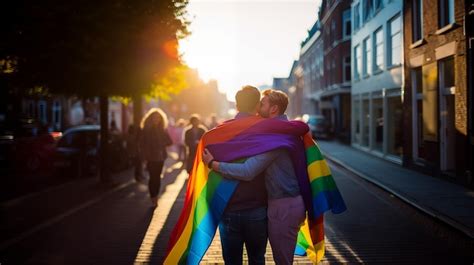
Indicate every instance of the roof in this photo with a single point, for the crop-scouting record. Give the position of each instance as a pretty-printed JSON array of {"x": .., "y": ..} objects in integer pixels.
[{"x": 316, "y": 26}]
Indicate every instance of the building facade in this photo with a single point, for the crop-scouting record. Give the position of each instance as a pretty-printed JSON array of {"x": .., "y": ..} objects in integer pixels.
[
  {"x": 312, "y": 63},
  {"x": 377, "y": 78},
  {"x": 295, "y": 91},
  {"x": 335, "y": 16},
  {"x": 436, "y": 94}
]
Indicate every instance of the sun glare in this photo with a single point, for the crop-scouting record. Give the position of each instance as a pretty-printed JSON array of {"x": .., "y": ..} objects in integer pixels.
[{"x": 245, "y": 42}]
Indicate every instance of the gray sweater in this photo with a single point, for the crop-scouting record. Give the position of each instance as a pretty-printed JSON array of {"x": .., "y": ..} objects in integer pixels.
[{"x": 280, "y": 177}]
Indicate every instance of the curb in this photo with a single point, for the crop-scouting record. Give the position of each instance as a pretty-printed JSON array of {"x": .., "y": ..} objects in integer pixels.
[{"x": 426, "y": 209}]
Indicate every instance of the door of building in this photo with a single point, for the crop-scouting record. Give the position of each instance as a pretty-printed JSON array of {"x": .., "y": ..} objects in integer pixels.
[{"x": 447, "y": 116}]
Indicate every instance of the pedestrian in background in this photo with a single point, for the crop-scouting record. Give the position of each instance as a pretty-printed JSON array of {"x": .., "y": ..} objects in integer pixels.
[
  {"x": 154, "y": 139},
  {"x": 213, "y": 123},
  {"x": 180, "y": 124},
  {"x": 192, "y": 135},
  {"x": 133, "y": 151}
]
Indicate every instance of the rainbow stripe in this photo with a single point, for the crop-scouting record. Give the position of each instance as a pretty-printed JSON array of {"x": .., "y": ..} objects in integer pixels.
[
  {"x": 208, "y": 193},
  {"x": 325, "y": 196}
]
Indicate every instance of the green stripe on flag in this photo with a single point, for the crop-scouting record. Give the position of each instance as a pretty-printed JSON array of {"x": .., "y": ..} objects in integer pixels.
[
  {"x": 301, "y": 240},
  {"x": 325, "y": 183},
  {"x": 204, "y": 200},
  {"x": 313, "y": 154}
]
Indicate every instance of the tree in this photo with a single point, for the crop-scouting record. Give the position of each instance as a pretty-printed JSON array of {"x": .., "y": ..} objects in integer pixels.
[{"x": 92, "y": 48}]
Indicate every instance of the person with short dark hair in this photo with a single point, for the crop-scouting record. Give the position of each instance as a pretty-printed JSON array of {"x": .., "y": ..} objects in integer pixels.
[
  {"x": 192, "y": 135},
  {"x": 244, "y": 221}
]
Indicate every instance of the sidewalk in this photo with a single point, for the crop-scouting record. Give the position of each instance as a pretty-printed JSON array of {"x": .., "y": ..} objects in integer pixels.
[{"x": 448, "y": 202}]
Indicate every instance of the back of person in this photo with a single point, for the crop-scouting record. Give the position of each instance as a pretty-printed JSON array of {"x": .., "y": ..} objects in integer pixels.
[
  {"x": 280, "y": 177},
  {"x": 154, "y": 142}
]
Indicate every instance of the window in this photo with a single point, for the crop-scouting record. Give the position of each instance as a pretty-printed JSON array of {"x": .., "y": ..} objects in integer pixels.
[
  {"x": 346, "y": 23},
  {"x": 367, "y": 55},
  {"x": 378, "y": 50},
  {"x": 417, "y": 20},
  {"x": 368, "y": 9},
  {"x": 333, "y": 72},
  {"x": 321, "y": 63},
  {"x": 42, "y": 112},
  {"x": 357, "y": 62},
  {"x": 446, "y": 12},
  {"x": 356, "y": 12},
  {"x": 333, "y": 31},
  {"x": 356, "y": 136},
  {"x": 447, "y": 74},
  {"x": 56, "y": 117},
  {"x": 377, "y": 4},
  {"x": 417, "y": 87},
  {"x": 395, "y": 41},
  {"x": 395, "y": 125},
  {"x": 365, "y": 122},
  {"x": 347, "y": 68},
  {"x": 377, "y": 123},
  {"x": 31, "y": 108}
]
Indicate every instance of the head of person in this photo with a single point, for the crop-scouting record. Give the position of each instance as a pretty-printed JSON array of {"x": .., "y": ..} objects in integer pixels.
[
  {"x": 181, "y": 123},
  {"x": 154, "y": 117},
  {"x": 247, "y": 100},
  {"x": 273, "y": 103},
  {"x": 195, "y": 120},
  {"x": 214, "y": 118}
]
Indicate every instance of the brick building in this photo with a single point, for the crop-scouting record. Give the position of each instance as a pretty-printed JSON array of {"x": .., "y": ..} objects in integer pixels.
[
  {"x": 435, "y": 97},
  {"x": 335, "y": 16}
]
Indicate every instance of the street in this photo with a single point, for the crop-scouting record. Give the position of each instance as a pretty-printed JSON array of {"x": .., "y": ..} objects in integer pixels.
[{"x": 81, "y": 222}]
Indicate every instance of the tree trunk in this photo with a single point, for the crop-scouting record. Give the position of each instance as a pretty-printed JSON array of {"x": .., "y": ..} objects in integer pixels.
[
  {"x": 137, "y": 109},
  {"x": 104, "y": 139}
]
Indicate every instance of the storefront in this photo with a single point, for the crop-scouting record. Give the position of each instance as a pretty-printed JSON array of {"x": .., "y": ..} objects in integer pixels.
[{"x": 377, "y": 123}]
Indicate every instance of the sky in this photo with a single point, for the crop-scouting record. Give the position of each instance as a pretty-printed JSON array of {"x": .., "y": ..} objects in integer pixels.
[{"x": 240, "y": 42}]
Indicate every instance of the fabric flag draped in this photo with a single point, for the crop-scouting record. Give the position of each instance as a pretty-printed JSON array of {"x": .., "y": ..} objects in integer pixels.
[{"x": 208, "y": 192}]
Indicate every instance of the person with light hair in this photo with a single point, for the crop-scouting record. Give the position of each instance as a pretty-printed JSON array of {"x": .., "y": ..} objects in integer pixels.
[{"x": 154, "y": 139}]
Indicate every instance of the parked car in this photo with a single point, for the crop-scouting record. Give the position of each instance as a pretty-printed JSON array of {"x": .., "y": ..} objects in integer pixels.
[
  {"x": 319, "y": 126},
  {"x": 25, "y": 147},
  {"x": 78, "y": 150}
]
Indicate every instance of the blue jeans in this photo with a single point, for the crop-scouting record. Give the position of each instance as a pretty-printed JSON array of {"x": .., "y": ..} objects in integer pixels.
[{"x": 247, "y": 227}]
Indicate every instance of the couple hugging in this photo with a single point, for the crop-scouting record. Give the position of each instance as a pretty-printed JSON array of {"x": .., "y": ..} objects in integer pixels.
[{"x": 256, "y": 177}]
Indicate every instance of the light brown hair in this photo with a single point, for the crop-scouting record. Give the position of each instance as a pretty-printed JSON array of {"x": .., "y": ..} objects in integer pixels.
[{"x": 278, "y": 98}]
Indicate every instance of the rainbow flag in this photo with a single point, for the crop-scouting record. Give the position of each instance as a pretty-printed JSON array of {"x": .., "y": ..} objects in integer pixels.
[{"x": 207, "y": 192}]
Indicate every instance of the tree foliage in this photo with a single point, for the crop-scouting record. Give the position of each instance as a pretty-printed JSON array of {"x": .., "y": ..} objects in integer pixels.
[{"x": 89, "y": 48}]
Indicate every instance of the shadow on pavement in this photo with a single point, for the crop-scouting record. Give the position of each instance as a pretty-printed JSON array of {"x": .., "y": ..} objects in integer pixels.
[{"x": 161, "y": 242}]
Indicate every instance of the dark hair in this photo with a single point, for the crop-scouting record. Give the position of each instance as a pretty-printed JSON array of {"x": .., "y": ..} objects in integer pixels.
[
  {"x": 247, "y": 98},
  {"x": 194, "y": 117}
]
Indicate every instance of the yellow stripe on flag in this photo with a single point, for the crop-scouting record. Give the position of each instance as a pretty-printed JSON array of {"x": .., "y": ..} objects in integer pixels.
[{"x": 318, "y": 169}]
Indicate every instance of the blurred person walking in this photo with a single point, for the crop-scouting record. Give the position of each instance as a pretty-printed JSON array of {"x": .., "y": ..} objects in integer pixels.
[
  {"x": 213, "y": 122},
  {"x": 192, "y": 135},
  {"x": 153, "y": 142},
  {"x": 176, "y": 132},
  {"x": 179, "y": 130}
]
